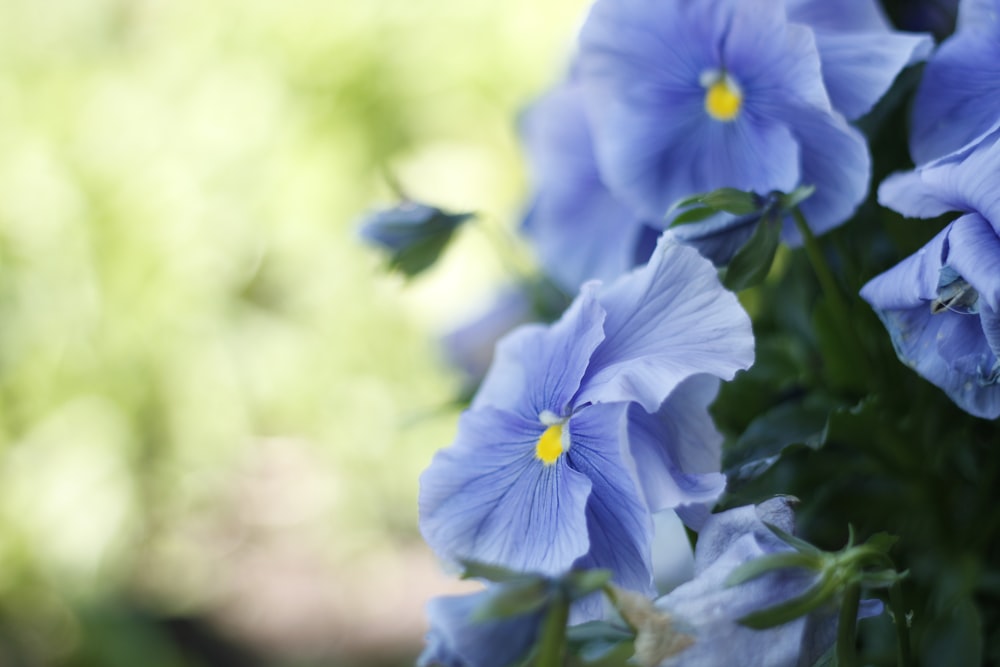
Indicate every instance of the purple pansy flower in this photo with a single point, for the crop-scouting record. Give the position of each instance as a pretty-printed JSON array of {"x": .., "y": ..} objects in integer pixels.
[
  {"x": 941, "y": 304},
  {"x": 688, "y": 97},
  {"x": 958, "y": 101},
  {"x": 538, "y": 478}
]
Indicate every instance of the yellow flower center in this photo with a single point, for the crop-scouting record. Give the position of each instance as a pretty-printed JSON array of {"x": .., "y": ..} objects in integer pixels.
[
  {"x": 550, "y": 445},
  {"x": 723, "y": 99}
]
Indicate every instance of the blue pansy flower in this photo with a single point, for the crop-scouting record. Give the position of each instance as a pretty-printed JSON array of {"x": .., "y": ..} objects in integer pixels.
[
  {"x": 579, "y": 230},
  {"x": 707, "y": 611},
  {"x": 538, "y": 478},
  {"x": 958, "y": 101},
  {"x": 941, "y": 304},
  {"x": 688, "y": 97}
]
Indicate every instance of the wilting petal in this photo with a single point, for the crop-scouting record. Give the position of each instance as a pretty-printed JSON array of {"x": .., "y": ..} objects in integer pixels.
[
  {"x": 666, "y": 321},
  {"x": 538, "y": 368},
  {"x": 973, "y": 249},
  {"x": 488, "y": 498},
  {"x": 858, "y": 68},
  {"x": 456, "y": 640},
  {"x": 677, "y": 451},
  {"x": 618, "y": 522},
  {"x": 958, "y": 99}
]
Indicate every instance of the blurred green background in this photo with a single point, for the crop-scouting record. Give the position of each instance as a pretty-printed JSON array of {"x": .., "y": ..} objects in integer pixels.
[{"x": 214, "y": 405}]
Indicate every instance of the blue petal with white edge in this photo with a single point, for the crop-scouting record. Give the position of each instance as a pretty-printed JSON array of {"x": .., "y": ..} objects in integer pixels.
[
  {"x": 489, "y": 498},
  {"x": 666, "y": 321}
]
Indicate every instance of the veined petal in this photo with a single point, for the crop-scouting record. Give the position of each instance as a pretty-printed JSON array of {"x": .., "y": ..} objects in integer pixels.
[
  {"x": 618, "y": 522},
  {"x": 538, "y": 368},
  {"x": 957, "y": 101},
  {"x": 666, "y": 321},
  {"x": 973, "y": 249},
  {"x": 979, "y": 15},
  {"x": 990, "y": 320},
  {"x": 910, "y": 284},
  {"x": 642, "y": 64},
  {"x": 858, "y": 68},
  {"x": 835, "y": 159},
  {"x": 488, "y": 498},
  {"x": 677, "y": 451}
]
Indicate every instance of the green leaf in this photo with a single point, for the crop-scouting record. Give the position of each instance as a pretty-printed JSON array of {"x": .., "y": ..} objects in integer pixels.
[
  {"x": 771, "y": 562},
  {"x": 828, "y": 659},
  {"x": 514, "y": 599},
  {"x": 797, "y": 542},
  {"x": 795, "y": 197},
  {"x": 731, "y": 200},
  {"x": 584, "y": 582},
  {"x": 494, "y": 573},
  {"x": 789, "y": 610},
  {"x": 751, "y": 263},
  {"x": 691, "y": 215}
]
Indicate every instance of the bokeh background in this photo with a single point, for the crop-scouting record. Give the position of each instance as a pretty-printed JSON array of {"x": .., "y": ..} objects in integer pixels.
[{"x": 214, "y": 404}]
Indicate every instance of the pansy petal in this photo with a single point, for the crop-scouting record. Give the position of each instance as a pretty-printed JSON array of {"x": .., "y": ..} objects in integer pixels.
[
  {"x": 990, "y": 320},
  {"x": 724, "y": 529},
  {"x": 455, "y": 639},
  {"x": 843, "y": 15},
  {"x": 911, "y": 283},
  {"x": 907, "y": 193},
  {"x": 666, "y": 321},
  {"x": 677, "y": 451},
  {"x": 835, "y": 160},
  {"x": 579, "y": 230},
  {"x": 973, "y": 249},
  {"x": 618, "y": 522},
  {"x": 488, "y": 498},
  {"x": 538, "y": 368},
  {"x": 979, "y": 15},
  {"x": 858, "y": 68},
  {"x": 958, "y": 98}
]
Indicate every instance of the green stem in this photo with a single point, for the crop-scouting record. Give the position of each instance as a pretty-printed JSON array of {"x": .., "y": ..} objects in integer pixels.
[
  {"x": 847, "y": 655},
  {"x": 832, "y": 291},
  {"x": 553, "y": 642},
  {"x": 904, "y": 658}
]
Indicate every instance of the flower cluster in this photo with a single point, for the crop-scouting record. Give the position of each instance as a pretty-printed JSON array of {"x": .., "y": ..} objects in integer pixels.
[{"x": 688, "y": 136}]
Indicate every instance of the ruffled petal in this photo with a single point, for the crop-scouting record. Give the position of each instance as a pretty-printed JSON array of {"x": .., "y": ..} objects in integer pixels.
[
  {"x": 677, "y": 451},
  {"x": 957, "y": 101},
  {"x": 488, "y": 498},
  {"x": 666, "y": 321},
  {"x": 618, "y": 522},
  {"x": 973, "y": 249},
  {"x": 836, "y": 161},
  {"x": 858, "y": 68},
  {"x": 538, "y": 368},
  {"x": 911, "y": 283}
]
